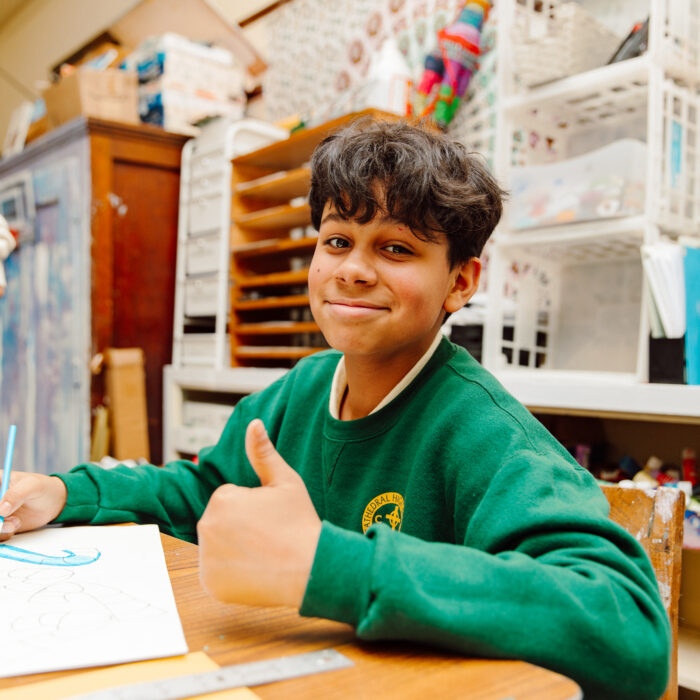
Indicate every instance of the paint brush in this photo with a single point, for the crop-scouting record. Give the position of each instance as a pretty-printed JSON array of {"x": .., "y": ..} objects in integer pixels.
[{"x": 7, "y": 468}]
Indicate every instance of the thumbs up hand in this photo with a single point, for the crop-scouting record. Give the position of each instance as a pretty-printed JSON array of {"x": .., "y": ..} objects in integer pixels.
[{"x": 257, "y": 545}]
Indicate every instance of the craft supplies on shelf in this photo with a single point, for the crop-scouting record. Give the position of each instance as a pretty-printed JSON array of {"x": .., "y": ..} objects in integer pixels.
[
  {"x": 605, "y": 183},
  {"x": 182, "y": 82}
]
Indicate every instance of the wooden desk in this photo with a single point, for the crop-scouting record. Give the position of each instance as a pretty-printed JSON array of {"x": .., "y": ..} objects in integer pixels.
[{"x": 236, "y": 634}]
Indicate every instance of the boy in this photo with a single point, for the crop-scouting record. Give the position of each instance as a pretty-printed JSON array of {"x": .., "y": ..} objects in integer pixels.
[{"x": 422, "y": 501}]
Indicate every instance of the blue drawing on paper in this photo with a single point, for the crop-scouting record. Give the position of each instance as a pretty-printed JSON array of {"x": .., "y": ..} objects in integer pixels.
[{"x": 7, "y": 551}]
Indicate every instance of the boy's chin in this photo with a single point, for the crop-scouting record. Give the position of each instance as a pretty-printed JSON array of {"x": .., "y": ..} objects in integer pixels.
[
  {"x": 357, "y": 348},
  {"x": 348, "y": 346}
]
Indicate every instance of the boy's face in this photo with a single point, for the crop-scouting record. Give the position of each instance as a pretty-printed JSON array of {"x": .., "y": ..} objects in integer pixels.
[{"x": 378, "y": 291}]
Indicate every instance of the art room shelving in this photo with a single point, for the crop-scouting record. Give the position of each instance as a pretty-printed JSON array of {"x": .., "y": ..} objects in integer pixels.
[
  {"x": 200, "y": 333},
  {"x": 567, "y": 308}
]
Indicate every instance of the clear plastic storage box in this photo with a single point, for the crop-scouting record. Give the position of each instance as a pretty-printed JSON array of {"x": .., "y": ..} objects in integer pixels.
[{"x": 604, "y": 183}]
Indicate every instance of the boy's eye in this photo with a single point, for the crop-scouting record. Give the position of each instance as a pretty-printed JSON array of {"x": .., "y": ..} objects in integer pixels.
[
  {"x": 337, "y": 242},
  {"x": 397, "y": 249}
]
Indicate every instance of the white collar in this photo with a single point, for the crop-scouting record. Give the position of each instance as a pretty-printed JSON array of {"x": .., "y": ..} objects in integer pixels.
[{"x": 340, "y": 381}]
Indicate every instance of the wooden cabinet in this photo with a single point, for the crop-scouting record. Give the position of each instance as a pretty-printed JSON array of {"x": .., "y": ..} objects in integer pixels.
[
  {"x": 98, "y": 272},
  {"x": 272, "y": 242},
  {"x": 135, "y": 174}
]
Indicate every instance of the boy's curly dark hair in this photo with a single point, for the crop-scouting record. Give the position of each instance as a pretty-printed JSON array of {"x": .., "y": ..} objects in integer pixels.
[{"x": 417, "y": 176}]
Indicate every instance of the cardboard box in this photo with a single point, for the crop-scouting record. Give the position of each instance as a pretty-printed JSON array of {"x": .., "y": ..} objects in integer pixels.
[
  {"x": 106, "y": 94},
  {"x": 196, "y": 19},
  {"x": 126, "y": 394}
]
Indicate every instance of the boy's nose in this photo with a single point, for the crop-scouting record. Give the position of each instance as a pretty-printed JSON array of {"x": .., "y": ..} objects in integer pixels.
[{"x": 356, "y": 269}]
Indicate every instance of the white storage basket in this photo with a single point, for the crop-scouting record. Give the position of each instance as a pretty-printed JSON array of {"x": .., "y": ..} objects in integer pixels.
[
  {"x": 575, "y": 317},
  {"x": 200, "y": 295},
  {"x": 202, "y": 254},
  {"x": 561, "y": 40},
  {"x": 676, "y": 194},
  {"x": 206, "y": 414},
  {"x": 190, "y": 440},
  {"x": 199, "y": 349}
]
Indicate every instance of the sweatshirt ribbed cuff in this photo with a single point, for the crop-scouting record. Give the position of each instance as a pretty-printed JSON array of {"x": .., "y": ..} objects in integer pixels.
[
  {"x": 338, "y": 587},
  {"x": 82, "y": 502}
]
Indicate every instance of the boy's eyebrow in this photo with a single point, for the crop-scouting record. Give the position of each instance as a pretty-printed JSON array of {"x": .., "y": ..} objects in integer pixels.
[
  {"x": 380, "y": 218},
  {"x": 332, "y": 216}
]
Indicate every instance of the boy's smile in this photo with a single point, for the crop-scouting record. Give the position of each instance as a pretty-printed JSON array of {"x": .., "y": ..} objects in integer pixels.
[
  {"x": 380, "y": 293},
  {"x": 353, "y": 308}
]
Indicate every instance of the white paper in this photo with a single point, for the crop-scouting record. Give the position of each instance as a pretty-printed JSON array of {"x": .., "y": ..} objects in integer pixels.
[
  {"x": 74, "y": 597},
  {"x": 663, "y": 264}
]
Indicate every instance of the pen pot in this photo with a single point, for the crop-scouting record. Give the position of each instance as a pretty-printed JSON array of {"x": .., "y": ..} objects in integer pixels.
[{"x": 667, "y": 360}]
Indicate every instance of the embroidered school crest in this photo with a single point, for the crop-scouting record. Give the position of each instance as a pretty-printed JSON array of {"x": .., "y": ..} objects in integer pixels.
[{"x": 386, "y": 508}]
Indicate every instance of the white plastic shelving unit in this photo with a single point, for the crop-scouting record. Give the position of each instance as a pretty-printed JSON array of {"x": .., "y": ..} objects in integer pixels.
[
  {"x": 567, "y": 323},
  {"x": 200, "y": 388},
  {"x": 211, "y": 393},
  {"x": 203, "y": 247}
]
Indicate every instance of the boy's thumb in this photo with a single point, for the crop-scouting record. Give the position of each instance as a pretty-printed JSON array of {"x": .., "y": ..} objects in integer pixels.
[{"x": 266, "y": 461}]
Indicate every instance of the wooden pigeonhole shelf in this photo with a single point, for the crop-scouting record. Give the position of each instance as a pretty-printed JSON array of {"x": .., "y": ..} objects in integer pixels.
[{"x": 271, "y": 246}]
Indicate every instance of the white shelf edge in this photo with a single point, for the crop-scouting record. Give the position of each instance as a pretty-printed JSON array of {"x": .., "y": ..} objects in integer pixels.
[
  {"x": 576, "y": 231},
  {"x": 236, "y": 380},
  {"x": 590, "y": 81},
  {"x": 606, "y": 392},
  {"x": 689, "y": 658}
]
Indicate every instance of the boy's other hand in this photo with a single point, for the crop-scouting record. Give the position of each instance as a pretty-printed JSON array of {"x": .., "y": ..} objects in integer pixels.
[
  {"x": 31, "y": 501},
  {"x": 257, "y": 545}
]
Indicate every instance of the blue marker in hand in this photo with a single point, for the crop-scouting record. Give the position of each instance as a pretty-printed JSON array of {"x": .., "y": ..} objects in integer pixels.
[{"x": 7, "y": 468}]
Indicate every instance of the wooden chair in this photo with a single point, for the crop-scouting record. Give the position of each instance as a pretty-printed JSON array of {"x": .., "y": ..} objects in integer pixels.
[{"x": 656, "y": 521}]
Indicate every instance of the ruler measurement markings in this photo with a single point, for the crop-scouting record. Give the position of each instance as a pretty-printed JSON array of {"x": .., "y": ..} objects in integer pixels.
[{"x": 226, "y": 677}]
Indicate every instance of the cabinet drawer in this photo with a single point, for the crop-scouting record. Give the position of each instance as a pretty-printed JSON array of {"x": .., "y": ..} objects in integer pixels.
[
  {"x": 199, "y": 349},
  {"x": 202, "y": 254},
  {"x": 206, "y": 213},
  {"x": 200, "y": 296},
  {"x": 209, "y": 183},
  {"x": 203, "y": 414},
  {"x": 190, "y": 440},
  {"x": 207, "y": 162}
]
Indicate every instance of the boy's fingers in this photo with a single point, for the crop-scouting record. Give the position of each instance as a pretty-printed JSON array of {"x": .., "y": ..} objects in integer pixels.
[
  {"x": 6, "y": 506},
  {"x": 9, "y": 526},
  {"x": 16, "y": 495},
  {"x": 221, "y": 497},
  {"x": 267, "y": 462}
]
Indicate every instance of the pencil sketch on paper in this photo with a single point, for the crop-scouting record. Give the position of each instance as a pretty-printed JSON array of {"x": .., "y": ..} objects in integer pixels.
[
  {"x": 7, "y": 551},
  {"x": 56, "y": 607},
  {"x": 75, "y": 597}
]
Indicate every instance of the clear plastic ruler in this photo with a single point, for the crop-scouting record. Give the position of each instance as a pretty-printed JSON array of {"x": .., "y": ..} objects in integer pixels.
[{"x": 236, "y": 676}]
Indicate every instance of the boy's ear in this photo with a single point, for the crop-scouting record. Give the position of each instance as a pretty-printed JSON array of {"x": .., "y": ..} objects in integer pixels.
[{"x": 465, "y": 284}]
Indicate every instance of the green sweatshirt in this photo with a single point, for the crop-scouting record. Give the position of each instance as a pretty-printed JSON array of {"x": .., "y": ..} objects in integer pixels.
[{"x": 481, "y": 534}]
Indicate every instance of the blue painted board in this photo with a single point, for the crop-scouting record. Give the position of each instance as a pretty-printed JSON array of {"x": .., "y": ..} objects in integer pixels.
[{"x": 44, "y": 325}]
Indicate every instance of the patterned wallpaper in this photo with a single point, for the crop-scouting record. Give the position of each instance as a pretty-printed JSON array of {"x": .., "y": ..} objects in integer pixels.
[{"x": 319, "y": 54}]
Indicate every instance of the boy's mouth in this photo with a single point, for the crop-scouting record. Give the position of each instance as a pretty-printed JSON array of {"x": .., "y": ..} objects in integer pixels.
[
  {"x": 356, "y": 302},
  {"x": 354, "y": 308}
]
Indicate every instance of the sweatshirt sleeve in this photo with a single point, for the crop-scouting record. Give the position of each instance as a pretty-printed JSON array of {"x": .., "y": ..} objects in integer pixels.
[
  {"x": 173, "y": 496},
  {"x": 541, "y": 574}
]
